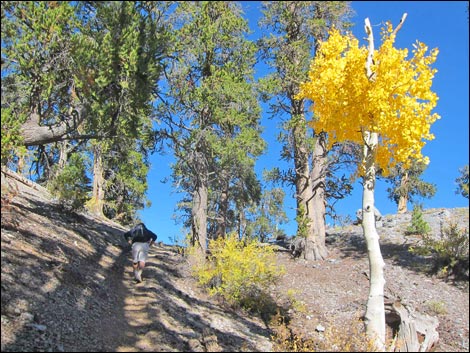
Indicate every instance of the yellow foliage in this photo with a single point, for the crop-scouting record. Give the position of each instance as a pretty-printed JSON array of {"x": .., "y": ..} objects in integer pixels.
[
  {"x": 239, "y": 271},
  {"x": 297, "y": 305},
  {"x": 396, "y": 103}
]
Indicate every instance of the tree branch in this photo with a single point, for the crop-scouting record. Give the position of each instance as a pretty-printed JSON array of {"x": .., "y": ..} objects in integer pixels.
[
  {"x": 403, "y": 18},
  {"x": 370, "y": 56},
  {"x": 35, "y": 134}
]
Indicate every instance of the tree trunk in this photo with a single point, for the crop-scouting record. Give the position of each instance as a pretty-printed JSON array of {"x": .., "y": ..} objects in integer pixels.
[
  {"x": 402, "y": 205},
  {"x": 304, "y": 191},
  {"x": 316, "y": 239},
  {"x": 223, "y": 209},
  {"x": 63, "y": 157},
  {"x": 96, "y": 204},
  {"x": 403, "y": 199},
  {"x": 199, "y": 216},
  {"x": 241, "y": 224},
  {"x": 309, "y": 196},
  {"x": 375, "y": 311}
]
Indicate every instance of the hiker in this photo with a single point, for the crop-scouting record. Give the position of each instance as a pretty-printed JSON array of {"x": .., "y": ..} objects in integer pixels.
[{"x": 141, "y": 239}]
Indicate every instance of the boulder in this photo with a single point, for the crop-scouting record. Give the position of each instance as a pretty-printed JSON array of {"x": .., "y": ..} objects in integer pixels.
[{"x": 377, "y": 214}]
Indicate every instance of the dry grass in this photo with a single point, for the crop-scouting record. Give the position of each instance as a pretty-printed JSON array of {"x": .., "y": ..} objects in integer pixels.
[{"x": 350, "y": 338}]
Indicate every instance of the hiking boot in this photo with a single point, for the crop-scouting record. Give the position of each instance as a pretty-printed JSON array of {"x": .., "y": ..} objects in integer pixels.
[{"x": 138, "y": 275}]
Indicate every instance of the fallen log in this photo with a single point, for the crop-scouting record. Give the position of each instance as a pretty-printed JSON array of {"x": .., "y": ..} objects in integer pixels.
[{"x": 22, "y": 179}]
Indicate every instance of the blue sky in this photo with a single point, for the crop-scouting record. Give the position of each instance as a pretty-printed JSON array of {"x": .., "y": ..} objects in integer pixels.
[{"x": 441, "y": 24}]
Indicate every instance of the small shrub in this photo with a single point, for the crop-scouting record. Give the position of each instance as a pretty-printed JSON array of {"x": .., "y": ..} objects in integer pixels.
[
  {"x": 351, "y": 338},
  {"x": 296, "y": 304},
  {"x": 285, "y": 340},
  {"x": 9, "y": 192},
  {"x": 342, "y": 221},
  {"x": 240, "y": 272},
  {"x": 70, "y": 185},
  {"x": 437, "y": 307},
  {"x": 418, "y": 225},
  {"x": 450, "y": 249}
]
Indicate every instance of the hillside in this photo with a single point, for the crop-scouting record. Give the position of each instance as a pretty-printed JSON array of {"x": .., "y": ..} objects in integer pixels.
[{"x": 67, "y": 286}]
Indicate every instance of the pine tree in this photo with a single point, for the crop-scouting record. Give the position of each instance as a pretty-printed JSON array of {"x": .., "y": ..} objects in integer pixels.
[
  {"x": 81, "y": 78},
  {"x": 418, "y": 225},
  {"x": 462, "y": 182},
  {"x": 212, "y": 116},
  {"x": 295, "y": 30},
  {"x": 407, "y": 185}
]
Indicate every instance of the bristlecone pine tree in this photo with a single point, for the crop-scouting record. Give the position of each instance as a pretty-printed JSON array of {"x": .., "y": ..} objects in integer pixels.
[
  {"x": 295, "y": 28},
  {"x": 214, "y": 116},
  {"x": 407, "y": 185},
  {"x": 382, "y": 100}
]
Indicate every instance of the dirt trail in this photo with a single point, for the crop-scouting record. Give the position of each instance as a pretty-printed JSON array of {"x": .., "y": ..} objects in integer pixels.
[
  {"x": 160, "y": 314},
  {"x": 163, "y": 313}
]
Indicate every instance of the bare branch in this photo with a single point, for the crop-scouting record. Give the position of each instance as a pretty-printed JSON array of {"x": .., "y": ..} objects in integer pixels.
[
  {"x": 403, "y": 18},
  {"x": 370, "y": 56}
]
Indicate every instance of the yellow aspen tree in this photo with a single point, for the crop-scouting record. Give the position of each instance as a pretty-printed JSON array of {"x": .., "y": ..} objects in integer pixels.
[{"x": 382, "y": 100}]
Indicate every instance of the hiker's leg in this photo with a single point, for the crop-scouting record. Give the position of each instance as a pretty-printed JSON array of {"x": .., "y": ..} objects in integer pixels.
[
  {"x": 143, "y": 254},
  {"x": 136, "y": 250}
]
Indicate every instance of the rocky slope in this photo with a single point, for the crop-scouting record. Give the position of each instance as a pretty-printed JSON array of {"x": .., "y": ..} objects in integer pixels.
[{"x": 67, "y": 286}]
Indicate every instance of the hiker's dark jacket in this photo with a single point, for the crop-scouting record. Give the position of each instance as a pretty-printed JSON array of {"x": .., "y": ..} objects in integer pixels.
[{"x": 140, "y": 234}]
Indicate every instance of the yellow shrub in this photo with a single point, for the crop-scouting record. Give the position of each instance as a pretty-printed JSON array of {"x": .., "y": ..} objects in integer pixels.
[
  {"x": 297, "y": 305},
  {"x": 240, "y": 271}
]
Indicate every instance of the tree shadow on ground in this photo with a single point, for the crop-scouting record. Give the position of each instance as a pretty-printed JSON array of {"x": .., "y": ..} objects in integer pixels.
[
  {"x": 79, "y": 269},
  {"x": 50, "y": 271},
  {"x": 181, "y": 318},
  {"x": 354, "y": 246}
]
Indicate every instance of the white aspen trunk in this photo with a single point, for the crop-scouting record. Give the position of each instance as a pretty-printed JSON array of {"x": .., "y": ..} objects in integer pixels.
[{"x": 375, "y": 310}]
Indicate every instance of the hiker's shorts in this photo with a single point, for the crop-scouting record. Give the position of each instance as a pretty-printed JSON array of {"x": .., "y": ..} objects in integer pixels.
[{"x": 140, "y": 252}]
